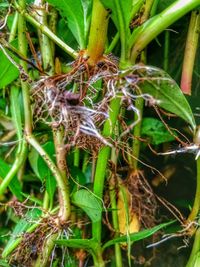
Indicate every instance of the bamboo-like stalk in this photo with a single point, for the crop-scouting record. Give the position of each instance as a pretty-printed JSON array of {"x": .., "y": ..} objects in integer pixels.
[
  {"x": 98, "y": 33},
  {"x": 190, "y": 52},
  {"x": 101, "y": 165},
  {"x": 144, "y": 34}
]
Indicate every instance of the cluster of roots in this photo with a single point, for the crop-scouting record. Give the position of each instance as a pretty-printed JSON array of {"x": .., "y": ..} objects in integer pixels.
[
  {"x": 78, "y": 100},
  {"x": 68, "y": 101},
  {"x": 33, "y": 244},
  {"x": 144, "y": 203}
]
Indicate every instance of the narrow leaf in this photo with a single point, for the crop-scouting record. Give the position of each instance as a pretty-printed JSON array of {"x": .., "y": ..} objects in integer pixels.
[
  {"x": 87, "y": 244},
  {"x": 137, "y": 236}
]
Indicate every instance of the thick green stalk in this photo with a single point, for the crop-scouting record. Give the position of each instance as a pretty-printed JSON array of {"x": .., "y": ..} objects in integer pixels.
[
  {"x": 13, "y": 31},
  {"x": 98, "y": 32},
  {"x": 196, "y": 206},
  {"x": 190, "y": 52},
  {"x": 62, "y": 167},
  {"x": 102, "y": 160},
  {"x": 144, "y": 34},
  {"x": 139, "y": 104},
  {"x": 113, "y": 202},
  {"x": 22, "y": 43},
  {"x": 194, "y": 260},
  {"x": 47, "y": 250},
  {"x": 45, "y": 30},
  {"x": 45, "y": 45}
]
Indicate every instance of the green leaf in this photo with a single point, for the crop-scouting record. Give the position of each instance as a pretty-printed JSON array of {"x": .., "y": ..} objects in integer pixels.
[
  {"x": 77, "y": 14},
  {"x": 14, "y": 185},
  {"x": 165, "y": 91},
  {"x": 87, "y": 244},
  {"x": 137, "y": 236},
  {"x": 41, "y": 169},
  {"x": 8, "y": 71},
  {"x": 4, "y": 263},
  {"x": 121, "y": 12},
  {"x": 38, "y": 164},
  {"x": 156, "y": 130},
  {"x": 89, "y": 203},
  {"x": 20, "y": 228}
]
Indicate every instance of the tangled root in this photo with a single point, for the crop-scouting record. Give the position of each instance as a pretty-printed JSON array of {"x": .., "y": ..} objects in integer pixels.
[{"x": 144, "y": 202}]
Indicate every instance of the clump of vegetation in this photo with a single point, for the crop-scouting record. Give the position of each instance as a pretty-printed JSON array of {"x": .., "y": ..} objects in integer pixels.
[{"x": 86, "y": 111}]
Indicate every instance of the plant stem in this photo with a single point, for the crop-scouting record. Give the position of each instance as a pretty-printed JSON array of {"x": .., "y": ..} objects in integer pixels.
[
  {"x": 45, "y": 30},
  {"x": 113, "y": 43},
  {"x": 196, "y": 206},
  {"x": 166, "y": 51},
  {"x": 147, "y": 9},
  {"x": 102, "y": 161},
  {"x": 113, "y": 202},
  {"x": 46, "y": 51},
  {"x": 64, "y": 212},
  {"x": 154, "y": 8},
  {"x": 144, "y": 34},
  {"x": 195, "y": 254},
  {"x": 47, "y": 250},
  {"x": 62, "y": 167},
  {"x": 22, "y": 43},
  {"x": 139, "y": 104},
  {"x": 14, "y": 28},
  {"x": 190, "y": 52},
  {"x": 98, "y": 33},
  {"x": 20, "y": 157}
]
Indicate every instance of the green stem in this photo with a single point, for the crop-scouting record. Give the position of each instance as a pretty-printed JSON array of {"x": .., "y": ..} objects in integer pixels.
[
  {"x": 62, "y": 167},
  {"x": 45, "y": 30},
  {"x": 47, "y": 250},
  {"x": 144, "y": 34},
  {"x": 20, "y": 157},
  {"x": 166, "y": 51},
  {"x": 22, "y": 43},
  {"x": 147, "y": 9},
  {"x": 97, "y": 258},
  {"x": 45, "y": 45},
  {"x": 194, "y": 259},
  {"x": 46, "y": 201},
  {"x": 139, "y": 105},
  {"x": 52, "y": 25},
  {"x": 196, "y": 206},
  {"x": 154, "y": 8},
  {"x": 113, "y": 43},
  {"x": 64, "y": 212},
  {"x": 190, "y": 52},
  {"x": 98, "y": 32},
  {"x": 76, "y": 157},
  {"x": 113, "y": 202},
  {"x": 13, "y": 31},
  {"x": 102, "y": 161}
]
